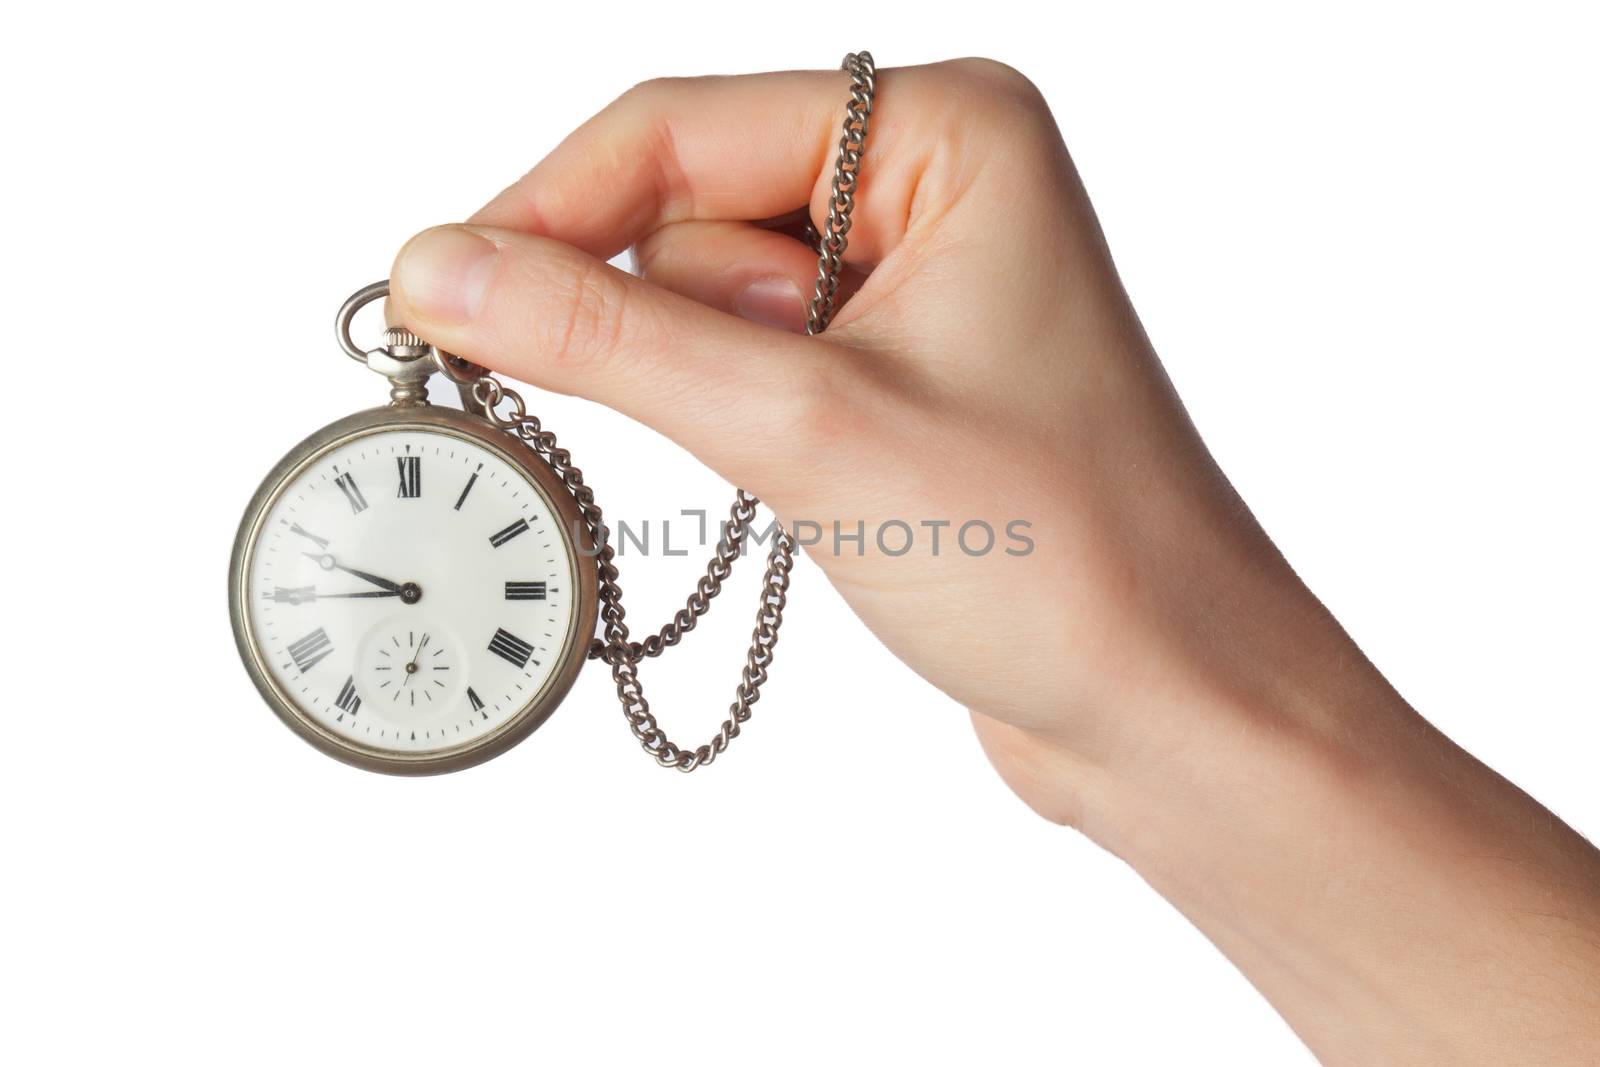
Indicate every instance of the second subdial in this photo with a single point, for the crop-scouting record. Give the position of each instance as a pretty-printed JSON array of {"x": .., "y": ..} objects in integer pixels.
[{"x": 410, "y": 669}]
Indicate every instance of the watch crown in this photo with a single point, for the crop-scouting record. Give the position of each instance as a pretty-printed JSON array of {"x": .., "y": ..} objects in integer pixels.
[
  {"x": 399, "y": 337},
  {"x": 406, "y": 360}
]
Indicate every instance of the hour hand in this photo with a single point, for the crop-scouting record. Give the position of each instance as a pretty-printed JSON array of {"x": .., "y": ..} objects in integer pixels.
[{"x": 328, "y": 563}]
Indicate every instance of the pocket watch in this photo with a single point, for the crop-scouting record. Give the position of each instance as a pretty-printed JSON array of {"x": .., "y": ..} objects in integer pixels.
[{"x": 414, "y": 589}]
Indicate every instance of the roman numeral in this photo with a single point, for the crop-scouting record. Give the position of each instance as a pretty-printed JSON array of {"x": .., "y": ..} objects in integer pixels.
[
  {"x": 310, "y": 650},
  {"x": 511, "y": 648},
  {"x": 410, "y": 476},
  {"x": 347, "y": 699},
  {"x": 524, "y": 590},
  {"x": 462, "y": 499},
  {"x": 304, "y": 594},
  {"x": 498, "y": 539},
  {"x": 320, "y": 542},
  {"x": 477, "y": 702},
  {"x": 352, "y": 492}
]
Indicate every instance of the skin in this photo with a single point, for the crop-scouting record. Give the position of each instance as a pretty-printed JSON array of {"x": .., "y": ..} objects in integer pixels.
[{"x": 1178, "y": 695}]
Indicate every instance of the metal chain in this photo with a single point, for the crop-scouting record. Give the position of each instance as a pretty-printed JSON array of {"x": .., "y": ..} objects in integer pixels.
[
  {"x": 616, "y": 648},
  {"x": 729, "y": 548},
  {"x": 622, "y": 654},
  {"x": 832, "y": 241}
]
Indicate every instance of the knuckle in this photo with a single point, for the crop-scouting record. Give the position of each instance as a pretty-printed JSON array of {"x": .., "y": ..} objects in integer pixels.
[
  {"x": 976, "y": 103},
  {"x": 589, "y": 316},
  {"x": 640, "y": 92},
  {"x": 652, "y": 91},
  {"x": 1003, "y": 121},
  {"x": 1001, "y": 81},
  {"x": 639, "y": 136}
]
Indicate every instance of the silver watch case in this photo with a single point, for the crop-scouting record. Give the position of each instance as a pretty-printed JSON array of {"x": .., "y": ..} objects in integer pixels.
[{"x": 477, "y": 431}]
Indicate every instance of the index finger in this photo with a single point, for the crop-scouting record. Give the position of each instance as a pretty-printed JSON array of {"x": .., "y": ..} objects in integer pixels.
[{"x": 743, "y": 147}]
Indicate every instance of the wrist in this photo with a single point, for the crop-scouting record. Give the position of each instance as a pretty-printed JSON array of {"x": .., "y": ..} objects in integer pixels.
[
  {"x": 1352, "y": 862},
  {"x": 1257, "y": 693}
]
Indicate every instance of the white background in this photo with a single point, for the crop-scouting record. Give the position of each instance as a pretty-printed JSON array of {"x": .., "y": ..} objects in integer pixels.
[{"x": 1364, "y": 241}]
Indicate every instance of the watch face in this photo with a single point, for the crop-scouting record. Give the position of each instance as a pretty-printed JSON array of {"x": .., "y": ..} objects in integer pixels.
[{"x": 409, "y": 593}]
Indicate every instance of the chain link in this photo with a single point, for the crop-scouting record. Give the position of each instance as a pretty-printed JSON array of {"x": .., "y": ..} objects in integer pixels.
[
  {"x": 617, "y": 648},
  {"x": 832, "y": 241}
]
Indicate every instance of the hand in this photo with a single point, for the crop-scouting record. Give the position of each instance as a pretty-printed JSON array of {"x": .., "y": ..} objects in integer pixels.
[
  {"x": 374, "y": 594},
  {"x": 411, "y": 668},
  {"x": 989, "y": 370},
  {"x": 1152, "y": 670},
  {"x": 328, "y": 563},
  {"x": 309, "y": 595}
]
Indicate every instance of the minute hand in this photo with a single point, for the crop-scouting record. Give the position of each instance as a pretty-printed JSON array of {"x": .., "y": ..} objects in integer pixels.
[{"x": 328, "y": 563}]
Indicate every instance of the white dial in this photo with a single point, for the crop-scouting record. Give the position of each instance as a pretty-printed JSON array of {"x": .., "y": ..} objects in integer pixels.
[{"x": 411, "y": 592}]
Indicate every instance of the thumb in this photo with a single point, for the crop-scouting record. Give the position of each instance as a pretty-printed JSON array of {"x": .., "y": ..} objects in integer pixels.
[{"x": 749, "y": 400}]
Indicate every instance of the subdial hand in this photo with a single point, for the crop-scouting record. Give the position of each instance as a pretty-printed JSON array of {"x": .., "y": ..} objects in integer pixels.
[{"x": 411, "y": 668}]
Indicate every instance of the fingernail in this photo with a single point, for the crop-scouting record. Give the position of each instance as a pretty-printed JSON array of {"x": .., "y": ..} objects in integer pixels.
[
  {"x": 772, "y": 301},
  {"x": 443, "y": 274}
]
